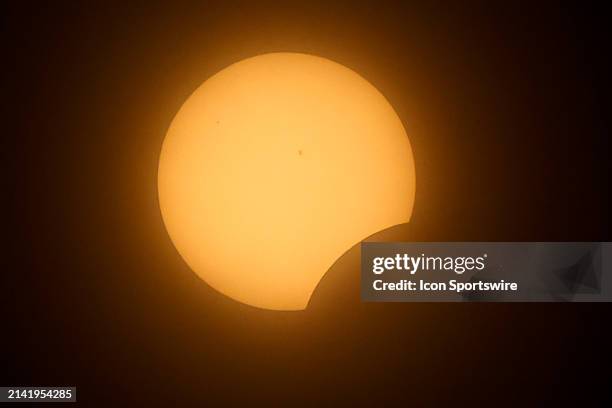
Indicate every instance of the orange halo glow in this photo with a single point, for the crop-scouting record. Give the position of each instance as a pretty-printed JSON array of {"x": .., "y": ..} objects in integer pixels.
[{"x": 274, "y": 167}]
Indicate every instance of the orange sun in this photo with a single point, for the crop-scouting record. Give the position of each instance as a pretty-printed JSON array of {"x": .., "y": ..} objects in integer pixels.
[{"x": 274, "y": 167}]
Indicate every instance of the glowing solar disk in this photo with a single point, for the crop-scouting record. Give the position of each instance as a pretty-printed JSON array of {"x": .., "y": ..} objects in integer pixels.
[{"x": 274, "y": 167}]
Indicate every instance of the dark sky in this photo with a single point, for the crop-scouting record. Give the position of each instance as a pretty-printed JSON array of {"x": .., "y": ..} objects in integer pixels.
[{"x": 507, "y": 111}]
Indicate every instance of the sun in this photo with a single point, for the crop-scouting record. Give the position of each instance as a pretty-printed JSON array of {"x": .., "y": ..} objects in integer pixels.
[{"x": 276, "y": 166}]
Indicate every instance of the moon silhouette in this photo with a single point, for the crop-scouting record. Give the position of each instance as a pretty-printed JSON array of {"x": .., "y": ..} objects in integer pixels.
[{"x": 276, "y": 166}]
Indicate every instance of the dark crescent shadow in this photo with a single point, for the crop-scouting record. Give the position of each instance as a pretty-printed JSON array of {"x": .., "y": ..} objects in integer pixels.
[{"x": 340, "y": 285}]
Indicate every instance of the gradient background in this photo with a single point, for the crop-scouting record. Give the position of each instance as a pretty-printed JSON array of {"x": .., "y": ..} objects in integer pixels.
[{"x": 507, "y": 111}]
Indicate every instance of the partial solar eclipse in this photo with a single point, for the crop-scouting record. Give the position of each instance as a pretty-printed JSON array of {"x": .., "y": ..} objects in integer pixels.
[{"x": 276, "y": 166}]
